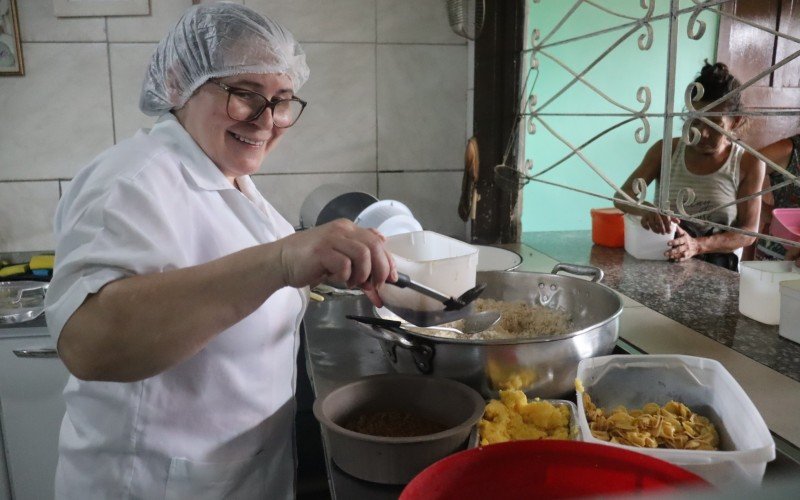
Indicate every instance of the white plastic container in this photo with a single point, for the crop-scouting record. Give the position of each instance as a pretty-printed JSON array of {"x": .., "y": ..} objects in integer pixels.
[
  {"x": 643, "y": 243},
  {"x": 759, "y": 292},
  {"x": 790, "y": 310},
  {"x": 702, "y": 384},
  {"x": 432, "y": 259}
]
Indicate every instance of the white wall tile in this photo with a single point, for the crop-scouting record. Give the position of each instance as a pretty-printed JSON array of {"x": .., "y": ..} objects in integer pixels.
[
  {"x": 60, "y": 111},
  {"x": 152, "y": 28},
  {"x": 422, "y": 97},
  {"x": 415, "y": 21},
  {"x": 471, "y": 65},
  {"x": 128, "y": 64},
  {"x": 326, "y": 21},
  {"x": 26, "y": 215},
  {"x": 62, "y": 187},
  {"x": 470, "y": 112},
  {"x": 287, "y": 192},
  {"x": 38, "y": 23},
  {"x": 336, "y": 132},
  {"x": 431, "y": 196}
]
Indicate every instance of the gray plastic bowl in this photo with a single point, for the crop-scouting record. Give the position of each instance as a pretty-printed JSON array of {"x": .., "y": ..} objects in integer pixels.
[{"x": 396, "y": 460}]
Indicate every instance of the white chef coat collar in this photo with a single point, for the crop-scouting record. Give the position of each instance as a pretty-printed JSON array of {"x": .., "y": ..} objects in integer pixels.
[{"x": 204, "y": 173}]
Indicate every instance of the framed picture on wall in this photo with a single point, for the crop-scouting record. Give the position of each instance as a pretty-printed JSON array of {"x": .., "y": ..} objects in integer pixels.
[
  {"x": 10, "y": 45},
  {"x": 82, "y": 8}
]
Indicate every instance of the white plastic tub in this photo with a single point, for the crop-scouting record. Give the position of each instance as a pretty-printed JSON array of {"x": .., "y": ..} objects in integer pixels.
[
  {"x": 432, "y": 259},
  {"x": 702, "y": 384},
  {"x": 759, "y": 292},
  {"x": 790, "y": 310},
  {"x": 643, "y": 243}
]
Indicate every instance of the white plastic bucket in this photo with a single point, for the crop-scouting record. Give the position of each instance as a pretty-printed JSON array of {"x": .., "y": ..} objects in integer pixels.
[
  {"x": 790, "y": 310},
  {"x": 643, "y": 243},
  {"x": 432, "y": 259}
]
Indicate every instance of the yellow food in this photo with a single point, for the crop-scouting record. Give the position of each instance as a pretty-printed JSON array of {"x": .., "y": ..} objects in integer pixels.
[
  {"x": 513, "y": 418},
  {"x": 673, "y": 425},
  {"x": 505, "y": 378}
]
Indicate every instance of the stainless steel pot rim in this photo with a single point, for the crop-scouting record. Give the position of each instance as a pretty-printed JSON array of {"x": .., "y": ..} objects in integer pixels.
[
  {"x": 496, "y": 342},
  {"x": 456, "y": 429},
  {"x": 530, "y": 340}
]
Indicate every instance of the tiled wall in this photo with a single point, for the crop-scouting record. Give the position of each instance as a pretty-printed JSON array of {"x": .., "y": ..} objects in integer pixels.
[{"x": 389, "y": 91}]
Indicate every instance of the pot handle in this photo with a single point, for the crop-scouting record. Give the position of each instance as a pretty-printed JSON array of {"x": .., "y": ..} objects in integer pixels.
[
  {"x": 387, "y": 332},
  {"x": 595, "y": 272},
  {"x": 421, "y": 352}
]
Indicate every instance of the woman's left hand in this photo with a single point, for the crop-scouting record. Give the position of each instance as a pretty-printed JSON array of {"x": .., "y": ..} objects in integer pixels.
[{"x": 683, "y": 247}]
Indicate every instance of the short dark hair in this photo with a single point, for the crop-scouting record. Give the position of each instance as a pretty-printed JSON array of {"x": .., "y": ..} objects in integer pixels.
[{"x": 717, "y": 81}]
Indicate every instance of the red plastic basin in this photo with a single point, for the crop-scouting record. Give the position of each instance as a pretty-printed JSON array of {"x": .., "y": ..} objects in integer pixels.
[{"x": 546, "y": 469}]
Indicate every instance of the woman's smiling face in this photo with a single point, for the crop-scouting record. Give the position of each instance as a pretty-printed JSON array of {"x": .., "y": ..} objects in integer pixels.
[{"x": 237, "y": 148}]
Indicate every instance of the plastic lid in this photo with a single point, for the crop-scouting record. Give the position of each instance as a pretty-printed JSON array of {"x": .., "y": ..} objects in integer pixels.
[{"x": 607, "y": 211}]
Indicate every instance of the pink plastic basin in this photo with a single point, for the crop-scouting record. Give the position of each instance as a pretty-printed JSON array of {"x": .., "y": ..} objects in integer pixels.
[{"x": 786, "y": 223}]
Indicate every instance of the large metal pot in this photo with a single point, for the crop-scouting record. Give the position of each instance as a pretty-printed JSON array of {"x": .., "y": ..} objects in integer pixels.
[{"x": 542, "y": 367}]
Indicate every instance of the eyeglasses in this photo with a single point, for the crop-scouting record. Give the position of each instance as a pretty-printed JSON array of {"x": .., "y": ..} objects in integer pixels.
[{"x": 246, "y": 105}]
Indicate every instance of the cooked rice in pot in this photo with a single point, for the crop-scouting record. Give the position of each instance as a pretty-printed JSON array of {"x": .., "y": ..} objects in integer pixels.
[{"x": 519, "y": 321}]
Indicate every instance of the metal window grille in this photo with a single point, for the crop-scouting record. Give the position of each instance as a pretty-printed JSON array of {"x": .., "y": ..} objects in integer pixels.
[{"x": 533, "y": 115}]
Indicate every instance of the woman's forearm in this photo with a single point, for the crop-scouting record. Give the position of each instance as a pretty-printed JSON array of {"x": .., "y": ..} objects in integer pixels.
[{"x": 137, "y": 327}]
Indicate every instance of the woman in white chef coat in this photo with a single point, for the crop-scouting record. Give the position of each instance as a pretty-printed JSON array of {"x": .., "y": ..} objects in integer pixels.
[{"x": 179, "y": 290}]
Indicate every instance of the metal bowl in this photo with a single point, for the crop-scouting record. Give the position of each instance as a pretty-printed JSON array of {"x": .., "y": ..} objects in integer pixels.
[
  {"x": 395, "y": 460},
  {"x": 542, "y": 367}
]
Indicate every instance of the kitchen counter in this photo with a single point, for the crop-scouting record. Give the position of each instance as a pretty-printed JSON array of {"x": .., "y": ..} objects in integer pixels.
[
  {"x": 696, "y": 294},
  {"x": 654, "y": 297}
]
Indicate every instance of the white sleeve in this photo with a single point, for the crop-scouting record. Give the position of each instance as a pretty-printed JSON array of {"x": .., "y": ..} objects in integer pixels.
[{"x": 105, "y": 236}]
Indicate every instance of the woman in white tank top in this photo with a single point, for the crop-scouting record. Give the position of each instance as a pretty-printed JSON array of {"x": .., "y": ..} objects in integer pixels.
[{"x": 718, "y": 171}]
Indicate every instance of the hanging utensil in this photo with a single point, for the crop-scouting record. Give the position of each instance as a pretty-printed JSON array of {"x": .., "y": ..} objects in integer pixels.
[
  {"x": 466, "y": 17},
  {"x": 469, "y": 189}
]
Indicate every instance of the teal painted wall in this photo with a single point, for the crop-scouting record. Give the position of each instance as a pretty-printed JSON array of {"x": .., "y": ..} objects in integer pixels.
[{"x": 619, "y": 75}]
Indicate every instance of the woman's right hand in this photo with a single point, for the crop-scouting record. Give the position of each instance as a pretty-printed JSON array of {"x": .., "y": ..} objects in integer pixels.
[
  {"x": 338, "y": 251},
  {"x": 661, "y": 224}
]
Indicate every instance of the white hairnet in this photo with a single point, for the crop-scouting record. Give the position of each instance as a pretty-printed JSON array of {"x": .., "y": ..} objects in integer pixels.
[{"x": 214, "y": 41}]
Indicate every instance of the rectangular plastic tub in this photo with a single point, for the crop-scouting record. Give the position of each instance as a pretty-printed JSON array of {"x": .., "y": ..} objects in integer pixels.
[
  {"x": 643, "y": 243},
  {"x": 442, "y": 263},
  {"x": 704, "y": 386},
  {"x": 759, "y": 293},
  {"x": 790, "y": 310}
]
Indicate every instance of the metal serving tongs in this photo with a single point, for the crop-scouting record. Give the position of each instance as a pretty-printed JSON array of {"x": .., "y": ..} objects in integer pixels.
[
  {"x": 475, "y": 323},
  {"x": 450, "y": 303}
]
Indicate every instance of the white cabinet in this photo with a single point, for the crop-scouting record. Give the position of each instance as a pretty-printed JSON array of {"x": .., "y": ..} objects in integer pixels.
[{"x": 31, "y": 409}]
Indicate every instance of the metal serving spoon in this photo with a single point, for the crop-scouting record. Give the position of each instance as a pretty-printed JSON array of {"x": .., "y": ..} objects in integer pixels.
[{"x": 473, "y": 324}]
